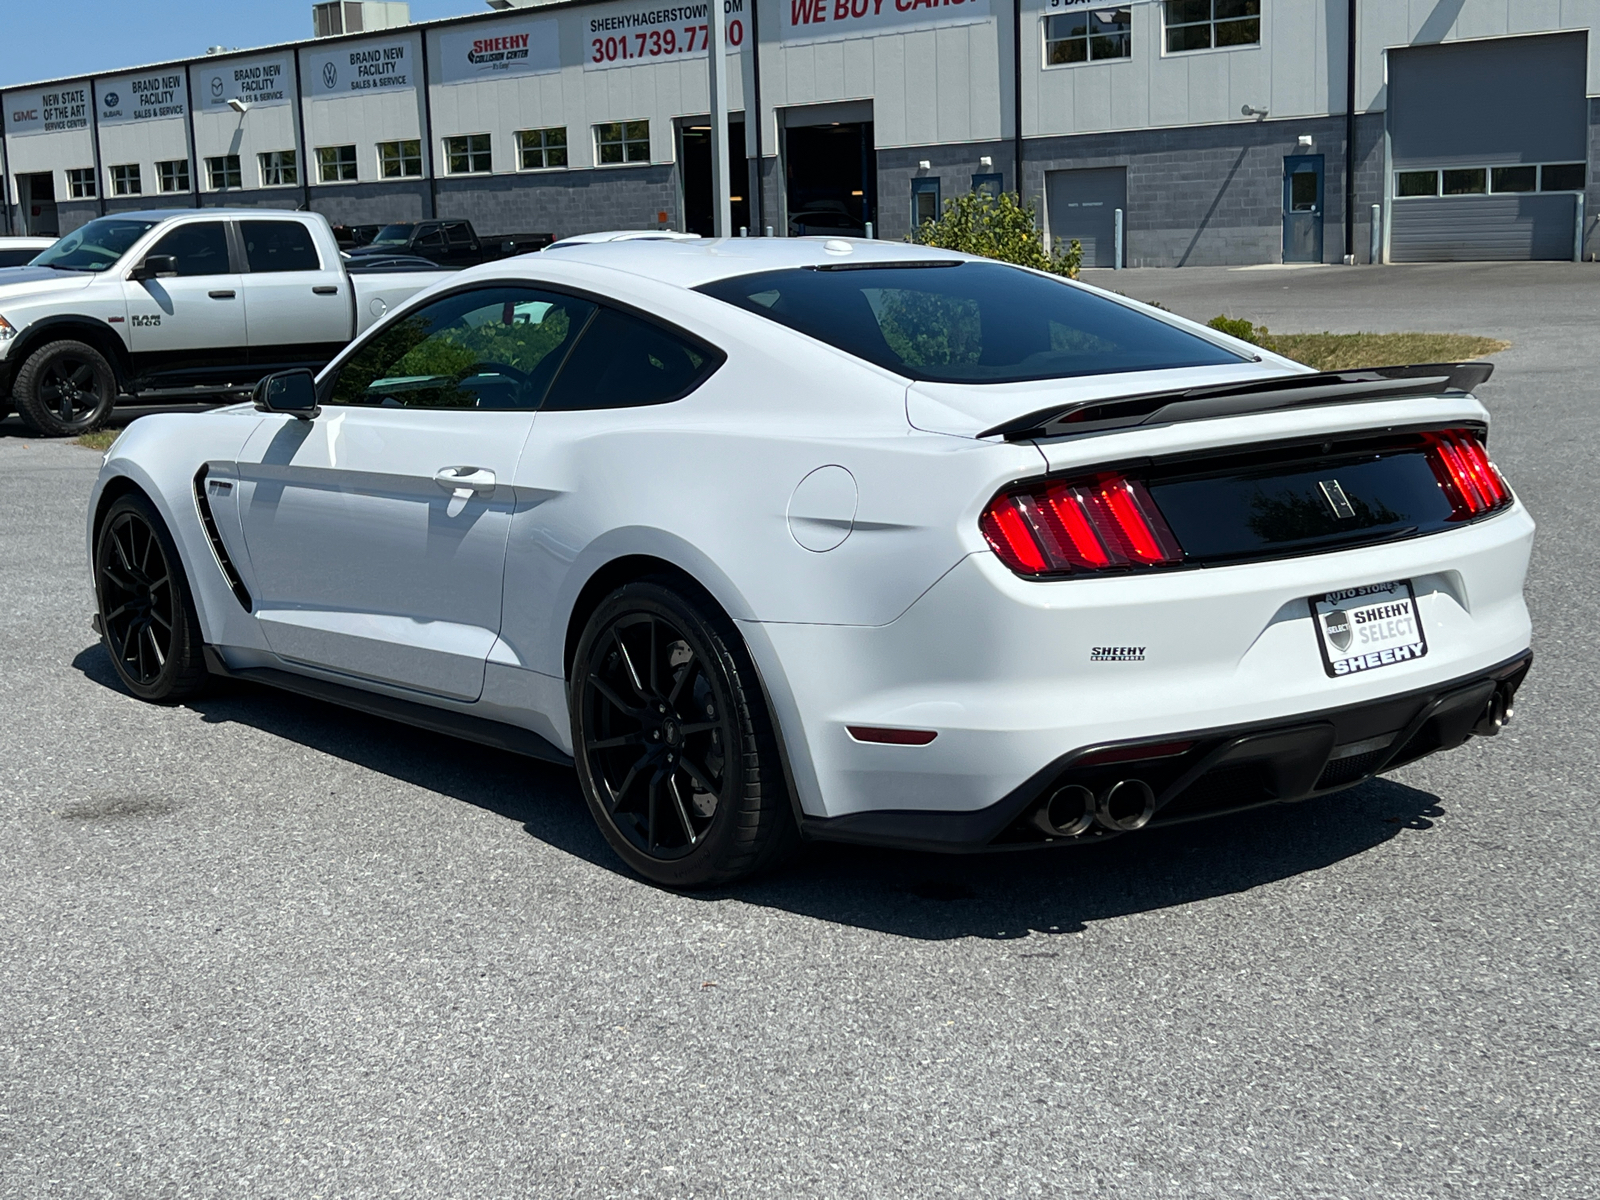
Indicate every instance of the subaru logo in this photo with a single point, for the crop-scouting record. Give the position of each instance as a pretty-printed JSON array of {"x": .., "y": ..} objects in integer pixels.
[
  {"x": 330, "y": 75},
  {"x": 112, "y": 99}
]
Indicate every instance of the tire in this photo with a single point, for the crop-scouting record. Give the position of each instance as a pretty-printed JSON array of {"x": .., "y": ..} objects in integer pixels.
[
  {"x": 148, "y": 623},
  {"x": 64, "y": 389},
  {"x": 676, "y": 752}
]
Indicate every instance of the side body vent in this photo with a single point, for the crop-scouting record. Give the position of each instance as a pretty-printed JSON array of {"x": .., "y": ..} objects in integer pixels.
[{"x": 218, "y": 551}]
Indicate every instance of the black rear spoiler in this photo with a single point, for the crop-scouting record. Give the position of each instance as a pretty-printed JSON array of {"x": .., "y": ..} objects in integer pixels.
[{"x": 1234, "y": 399}]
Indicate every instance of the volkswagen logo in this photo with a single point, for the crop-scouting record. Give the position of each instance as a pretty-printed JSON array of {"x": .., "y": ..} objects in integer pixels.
[{"x": 330, "y": 76}]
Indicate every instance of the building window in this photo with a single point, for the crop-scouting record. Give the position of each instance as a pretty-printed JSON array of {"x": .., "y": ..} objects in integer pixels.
[
  {"x": 1416, "y": 183},
  {"x": 397, "y": 160},
  {"x": 1203, "y": 24},
  {"x": 125, "y": 180},
  {"x": 541, "y": 149},
  {"x": 174, "y": 175},
  {"x": 1561, "y": 177},
  {"x": 336, "y": 164},
  {"x": 279, "y": 168},
  {"x": 1088, "y": 36},
  {"x": 1514, "y": 179},
  {"x": 80, "y": 183},
  {"x": 924, "y": 202},
  {"x": 622, "y": 142},
  {"x": 1469, "y": 181},
  {"x": 223, "y": 172},
  {"x": 468, "y": 155}
]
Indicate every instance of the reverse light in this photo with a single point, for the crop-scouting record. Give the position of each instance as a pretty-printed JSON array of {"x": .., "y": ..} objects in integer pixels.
[
  {"x": 1471, "y": 482},
  {"x": 1101, "y": 523}
]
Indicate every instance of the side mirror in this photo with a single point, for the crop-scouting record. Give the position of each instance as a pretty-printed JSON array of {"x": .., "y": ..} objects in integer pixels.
[
  {"x": 293, "y": 392},
  {"x": 155, "y": 266}
]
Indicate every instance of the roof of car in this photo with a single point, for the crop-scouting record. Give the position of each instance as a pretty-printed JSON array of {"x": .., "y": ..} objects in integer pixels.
[
  {"x": 161, "y": 214},
  {"x": 691, "y": 263}
]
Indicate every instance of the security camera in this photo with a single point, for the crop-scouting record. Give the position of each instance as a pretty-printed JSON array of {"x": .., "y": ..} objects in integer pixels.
[
  {"x": 1250, "y": 110},
  {"x": 238, "y": 105}
]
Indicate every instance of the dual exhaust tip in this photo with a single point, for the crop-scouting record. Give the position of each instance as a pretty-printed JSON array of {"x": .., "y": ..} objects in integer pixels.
[
  {"x": 1496, "y": 715},
  {"x": 1074, "y": 810}
]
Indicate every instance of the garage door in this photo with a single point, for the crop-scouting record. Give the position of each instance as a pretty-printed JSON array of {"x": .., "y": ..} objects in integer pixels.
[
  {"x": 1488, "y": 146},
  {"x": 1083, "y": 205}
]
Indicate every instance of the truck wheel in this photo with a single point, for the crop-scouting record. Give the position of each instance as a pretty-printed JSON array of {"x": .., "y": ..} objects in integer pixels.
[{"x": 65, "y": 388}]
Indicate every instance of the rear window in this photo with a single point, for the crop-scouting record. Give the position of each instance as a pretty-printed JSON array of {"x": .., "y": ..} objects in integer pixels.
[{"x": 967, "y": 322}]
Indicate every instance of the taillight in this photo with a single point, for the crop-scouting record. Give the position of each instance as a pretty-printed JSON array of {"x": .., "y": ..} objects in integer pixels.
[
  {"x": 1096, "y": 524},
  {"x": 1471, "y": 482}
]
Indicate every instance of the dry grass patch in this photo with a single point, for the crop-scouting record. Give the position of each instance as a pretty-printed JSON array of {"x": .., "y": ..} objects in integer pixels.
[
  {"x": 1347, "y": 351},
  {"x": 100, "y": 439}
]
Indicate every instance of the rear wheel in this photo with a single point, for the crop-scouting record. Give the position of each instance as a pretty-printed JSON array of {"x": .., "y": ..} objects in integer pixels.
[
  {"x": 64, "y": 389},
  {"x": 147, "y": 617},
  {"x": 676, "y": 752}
]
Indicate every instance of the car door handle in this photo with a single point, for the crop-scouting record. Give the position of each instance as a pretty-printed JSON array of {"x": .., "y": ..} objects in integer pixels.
[
  {"x": 325, "y": 289},
  {"x": 222, "y": 295},
  {"x": 463, "y": 481}
]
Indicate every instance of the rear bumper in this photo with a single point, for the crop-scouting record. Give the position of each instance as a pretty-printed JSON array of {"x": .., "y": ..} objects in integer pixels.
[{"x": 1225, "y": 769}]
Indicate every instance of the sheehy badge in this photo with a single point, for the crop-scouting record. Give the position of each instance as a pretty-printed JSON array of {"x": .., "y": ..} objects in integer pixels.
[{"x": 1367, "y": 628}]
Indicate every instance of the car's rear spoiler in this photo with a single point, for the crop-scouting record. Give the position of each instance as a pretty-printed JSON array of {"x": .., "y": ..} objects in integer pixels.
[{"x": 1233, "y": 399}]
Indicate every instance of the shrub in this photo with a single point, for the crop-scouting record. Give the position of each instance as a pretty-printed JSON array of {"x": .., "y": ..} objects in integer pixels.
[
  {"x": 999, "y": 227},
  {"x": 1238, "y": 327}
]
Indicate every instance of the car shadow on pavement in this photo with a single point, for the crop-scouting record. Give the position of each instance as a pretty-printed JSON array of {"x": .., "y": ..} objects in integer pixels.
[{"x": 924, "y": 896}]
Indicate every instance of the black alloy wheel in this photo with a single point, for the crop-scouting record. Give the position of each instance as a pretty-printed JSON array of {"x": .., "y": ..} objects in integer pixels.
[
  {"x": 675, "y": 750},
  {"x": 65, "y": 388},
  {"x": 147, "y": 620}
]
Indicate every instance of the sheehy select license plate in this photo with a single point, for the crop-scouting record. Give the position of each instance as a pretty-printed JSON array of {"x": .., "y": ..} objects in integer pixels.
[{"x": 1365, "y": 628}]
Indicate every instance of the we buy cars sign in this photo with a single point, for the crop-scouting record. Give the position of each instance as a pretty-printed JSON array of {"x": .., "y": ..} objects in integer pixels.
[{"x": 828, "y": 20}]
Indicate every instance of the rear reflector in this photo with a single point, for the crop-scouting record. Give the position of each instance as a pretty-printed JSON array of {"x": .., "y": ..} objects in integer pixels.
[
  {"x": 891, "y": 737},
  {"x": 1472, "y": 483},
  {"x": 1105, "y": 522}
]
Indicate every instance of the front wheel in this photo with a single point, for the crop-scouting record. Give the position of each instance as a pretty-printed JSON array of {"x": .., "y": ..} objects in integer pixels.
[
  {"x": 676, "y": 752},
  {"x": 64, "y": 389},
  {"x": 147, "y": 616}
]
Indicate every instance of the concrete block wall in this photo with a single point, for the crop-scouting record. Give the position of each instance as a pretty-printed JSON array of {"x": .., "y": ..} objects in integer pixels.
[
  {"x": 566, "y": 202},
  {"x": 372, "y": 203},
  {"x": 952, "y": 166}
]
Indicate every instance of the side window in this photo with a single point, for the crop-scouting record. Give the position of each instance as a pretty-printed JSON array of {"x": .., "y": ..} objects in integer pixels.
[
  {"x": 458, "y": 234},
  {"x": 623, "y": 361},
  {"x": 493, "y": 347},
  {"x": 279, "y": 246},
  {"x": 200, "y": 248},
  {"x": 432, "y": 240}
]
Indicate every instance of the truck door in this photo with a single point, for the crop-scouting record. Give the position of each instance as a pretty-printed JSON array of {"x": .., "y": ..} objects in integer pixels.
[
  {"x": 296, "y": 307},
  {"x": 188, "y": 330}
]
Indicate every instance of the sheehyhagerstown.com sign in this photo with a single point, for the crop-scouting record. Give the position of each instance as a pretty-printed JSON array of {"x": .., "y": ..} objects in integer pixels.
[
  {"x": 52, "y": 110},
  {"x": 154, "y": 96},
  {"x": 499, "y": 50},
  {"x": 259, "y": 82},
  {"x": 828, "y": 20},
  {"x": 624, "y": 34},
  {"x": 360, "y": 69}
]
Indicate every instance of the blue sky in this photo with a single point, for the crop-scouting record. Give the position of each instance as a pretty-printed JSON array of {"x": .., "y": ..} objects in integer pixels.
[{"x": 72, "y": 37}]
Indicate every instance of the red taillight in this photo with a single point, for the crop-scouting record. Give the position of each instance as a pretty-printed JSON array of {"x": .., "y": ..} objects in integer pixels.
[
  {"x": 1082, "y": 525},
  {"x": 1469, "y": 480}
]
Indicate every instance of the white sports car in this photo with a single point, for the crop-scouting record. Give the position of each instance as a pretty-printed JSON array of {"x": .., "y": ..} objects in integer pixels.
[{"x": 836, "y": 539}]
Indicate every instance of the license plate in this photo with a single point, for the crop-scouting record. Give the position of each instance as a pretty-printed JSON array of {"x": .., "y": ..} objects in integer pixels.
[{"x": 1366, "y": 628}]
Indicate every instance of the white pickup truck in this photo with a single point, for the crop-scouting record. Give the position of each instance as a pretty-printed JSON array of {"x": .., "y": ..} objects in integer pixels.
[{"x": 180, "y": 304}]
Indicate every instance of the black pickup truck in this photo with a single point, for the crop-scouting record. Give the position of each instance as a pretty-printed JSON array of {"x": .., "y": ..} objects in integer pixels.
[{"x": 449, "y": 243}]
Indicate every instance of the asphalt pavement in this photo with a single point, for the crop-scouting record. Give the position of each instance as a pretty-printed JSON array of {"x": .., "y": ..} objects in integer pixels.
[{"x": 259, "y": 946}]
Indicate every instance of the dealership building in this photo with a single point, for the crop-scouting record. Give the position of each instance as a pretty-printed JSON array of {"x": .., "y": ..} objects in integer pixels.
[{"x": 1157, "y": 132}]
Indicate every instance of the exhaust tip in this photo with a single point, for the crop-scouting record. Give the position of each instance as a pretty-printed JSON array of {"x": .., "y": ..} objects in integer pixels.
[
  {"x": 1126, "y": 805},
  {"x": 1068, "y": 813},
  {"x": 1495, "y": 716}
]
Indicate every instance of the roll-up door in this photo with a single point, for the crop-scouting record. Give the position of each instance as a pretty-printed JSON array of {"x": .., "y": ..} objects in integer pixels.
[
  {"x": 1083, "y": 204},
  {"x": 1488, "y": 148}
]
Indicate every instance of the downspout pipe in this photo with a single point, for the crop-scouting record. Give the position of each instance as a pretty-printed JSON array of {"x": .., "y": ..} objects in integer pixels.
[
  {"x": 5, "y": 174},
  {"x": 753, "y": 109},
  {"x": 1349, "y": 138},
  {"x": 427, "y": 130},
  {"x": 100, "y": 180},
  {"x": 1016, "y": 79}
]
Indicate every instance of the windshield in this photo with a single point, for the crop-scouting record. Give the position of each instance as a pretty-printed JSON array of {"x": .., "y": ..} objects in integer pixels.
[
  {"x": 95, "y": 246},
  {"x": 967, "y": 322},
  {"x": 393, "y": 235}
]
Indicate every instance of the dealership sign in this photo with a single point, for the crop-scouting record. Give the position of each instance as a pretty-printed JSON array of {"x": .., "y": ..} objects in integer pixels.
[
  {"x": 500, "y": 49},
  {"x": 52, "y": 110},
  {"x": 624, "y": 34},
  {"x": 259, "y": 82},
  {"x": 360, "y": 69},
  {"x": 829, "y": 20},
  {"x": 152, "y": 96}
]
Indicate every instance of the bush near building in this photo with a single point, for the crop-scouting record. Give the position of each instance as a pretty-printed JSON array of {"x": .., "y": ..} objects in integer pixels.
[{"x": 999, "y": 227}]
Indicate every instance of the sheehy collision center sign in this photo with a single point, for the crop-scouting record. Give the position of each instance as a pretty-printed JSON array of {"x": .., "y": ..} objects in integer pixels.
[
  {"x": 151, "y": 96},
  {"x": 259, "y": 82},
  {"x": 496, "y": 50},
  {"x": 830, "y": 20},
  {"x": 623, "y": 34},
  {"x": 360, "y": 69},
  {"x": 50, "y": 110}
]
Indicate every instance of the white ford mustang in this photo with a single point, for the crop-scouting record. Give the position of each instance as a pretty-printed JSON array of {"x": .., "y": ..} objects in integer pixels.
[{"x": 836, "y": 539}]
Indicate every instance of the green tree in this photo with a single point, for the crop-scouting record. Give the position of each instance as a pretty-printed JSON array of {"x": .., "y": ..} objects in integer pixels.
[{"x": 999, "y": 227}]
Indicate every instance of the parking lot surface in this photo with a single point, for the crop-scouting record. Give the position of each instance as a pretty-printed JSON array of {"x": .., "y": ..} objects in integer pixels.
[{"x": 259, "y": 946}]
